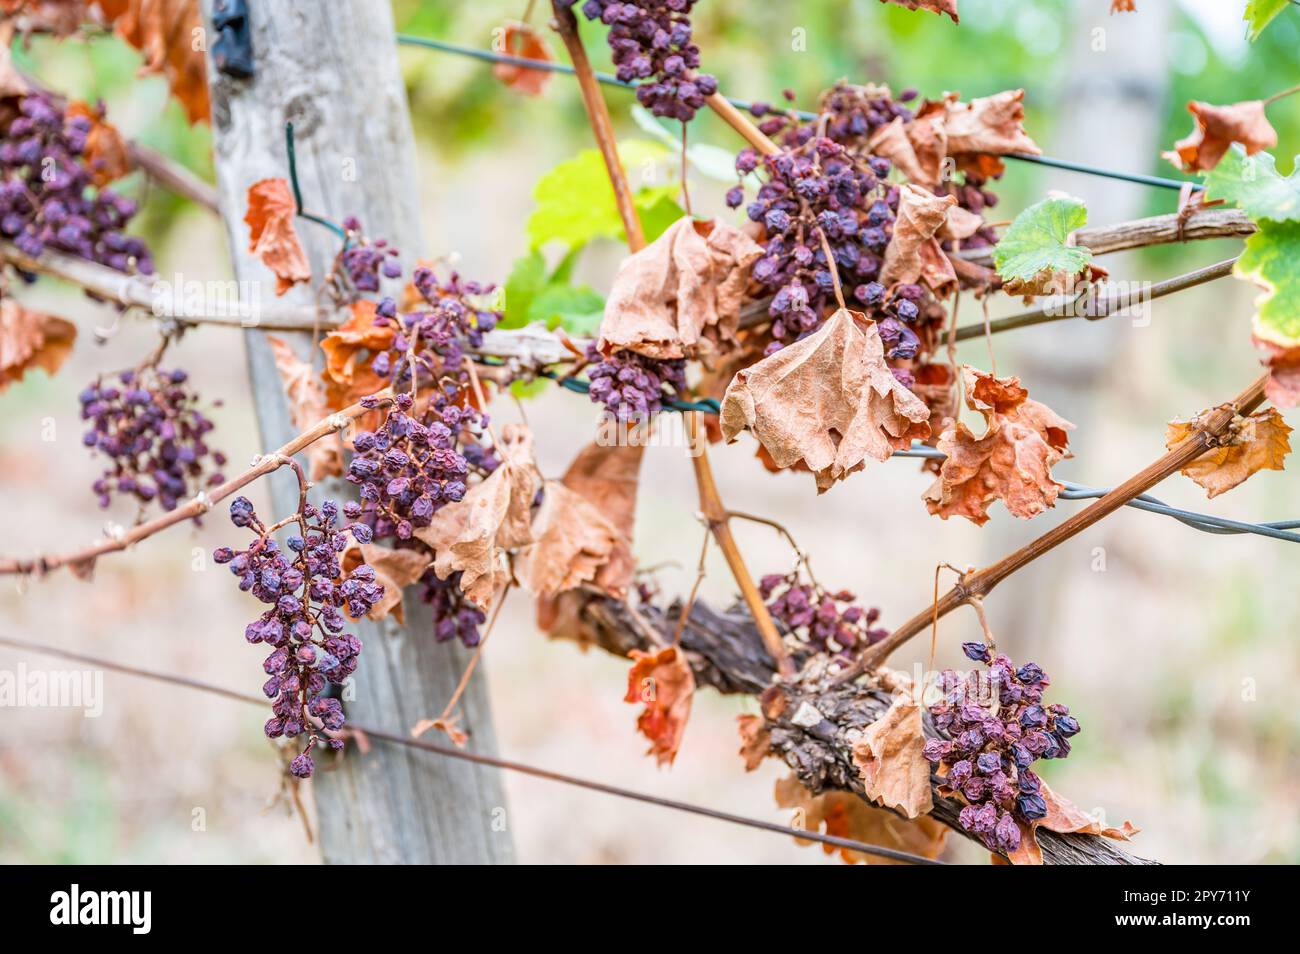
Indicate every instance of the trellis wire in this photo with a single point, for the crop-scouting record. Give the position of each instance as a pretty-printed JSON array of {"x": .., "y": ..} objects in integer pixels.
[
  {"x": 549, "y": 66},
  {"x": 506, "y": 764}
]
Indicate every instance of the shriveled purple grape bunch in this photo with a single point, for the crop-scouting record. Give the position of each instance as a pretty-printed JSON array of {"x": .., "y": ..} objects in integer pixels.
[
  {"x": 631, "y": 386},
  {"x": 454, "y": 616},
  {"x": 990, "y": 747},
  {"x": 651, "y": 41},
  {"x": 304, "y": 625},
  {"x": 365, "y": 260},
  {"x": 825, "y": 622},
  {"x": 811, "y": 189},
  {"x": 410, "y": 468},
  {"x": 47, "y": 198},
  {"x": 149, "y": 425}
]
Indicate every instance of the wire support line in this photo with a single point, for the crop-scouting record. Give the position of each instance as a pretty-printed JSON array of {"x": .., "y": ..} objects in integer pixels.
[
  {"x": 396, "y": 738},
  {"x": 549, "y": 66}
]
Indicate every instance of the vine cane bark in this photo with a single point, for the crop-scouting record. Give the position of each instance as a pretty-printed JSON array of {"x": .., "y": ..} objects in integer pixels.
[{"x": 331, "y": 69}]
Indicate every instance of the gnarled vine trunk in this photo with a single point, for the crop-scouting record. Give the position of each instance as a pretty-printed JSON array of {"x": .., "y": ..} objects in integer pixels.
[{"x": 331, "y": 69}]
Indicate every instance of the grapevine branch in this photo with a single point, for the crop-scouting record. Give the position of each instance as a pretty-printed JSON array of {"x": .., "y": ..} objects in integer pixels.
[
  {"x": 82, "y": 562},
  {"x": 174, "y": 177},
  {"x": 1205, "y": 436},
  {"x": 711, "y": 505}
]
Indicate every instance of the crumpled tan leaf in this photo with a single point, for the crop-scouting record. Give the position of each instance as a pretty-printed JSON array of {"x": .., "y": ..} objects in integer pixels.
[
  {"x": 31, "y": 339},
  {"x": 521, "y": 40},
  {"x": 1217, "y": 128},
  {"x": 917, "y": 149},
  {"x": 271, "y": 236},
  {"x": 913, "y": 254},
  {"x": 755, "y": 740},
  {"x": 572, "y": 541},
  {"x": 828, "y": 400},
  {"x": 395, "y": 569},
  {"x": 680, "y": 296},
  {"x": 472, "y": 535},
  {"x": 990, "y": 125},
  {"x": 1011, "y": 462},
  {"x": 106, "y": 154},
  {"x": 663, "y": 682},
  {"x": 844, "y": 815},
  {"x": 1283, "y": 388},
  {"x": 1259, "y": 442},
  {"x": 165, "y": 32},
  {"x": 890, "y": 758},
  {"x": 306, "y": 396},
  {"x": 1064, "y": 817}
]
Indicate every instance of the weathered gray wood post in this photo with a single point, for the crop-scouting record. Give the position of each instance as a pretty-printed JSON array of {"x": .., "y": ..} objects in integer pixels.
[{"x": 331, "y": 69}]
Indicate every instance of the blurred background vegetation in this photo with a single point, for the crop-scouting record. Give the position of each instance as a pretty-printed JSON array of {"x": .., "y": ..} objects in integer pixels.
[{"x": 1152, "y": 656}]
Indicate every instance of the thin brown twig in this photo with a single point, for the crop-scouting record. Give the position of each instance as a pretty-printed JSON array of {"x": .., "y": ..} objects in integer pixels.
[
  {"x": 979, "y": 584},
  {"x": 424, "y": 724},
  {"x": 695, "y": 589}
]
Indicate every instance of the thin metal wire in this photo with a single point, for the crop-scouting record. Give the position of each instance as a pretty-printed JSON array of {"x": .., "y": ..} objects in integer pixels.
[
  {"x": 548, "y": 66},
  {"x": 506, "y": 764},
  {"x": 297, "y": 190}
]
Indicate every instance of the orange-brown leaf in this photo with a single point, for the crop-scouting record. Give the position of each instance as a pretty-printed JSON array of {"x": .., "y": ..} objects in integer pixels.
[
  {"x": 58, "y": 18},
  {"x": 1011, "y": 462},
  {"x": 828, "y": 400},
  {"x": 164, "y": 31},
  {"x": 1283, "y": 388},
  {"x": 1258, "y": 442},
  {"x": 986, "y": 128},
  {"x": 1122, "y": 6},
  {"x": 755, "y": 740},
  {"x": 31, "y": 339},
  {"x": 271, "y": 236},
  {"x": 349, "y": 350},
  {"x": 890, "y": 759},
  {"x": 573, "y": 541},
  {"x": 680, "y": 296},
  {"x": 1064, "y": 817},
  {"x": 934, "y": 6},
  {"x": 521, "y": 40},
  {"x": 1217, "y": 128},
  {"x": 663, "y": 682},
  {"x": 395, "y": 569},
  {"x": 913, "y": 254},
  {"x": 106, "y": 153},
  {"x": 844, "y": 815},
  {"x": 306, "y": 396},
  {"x": 607, "y": 475}
]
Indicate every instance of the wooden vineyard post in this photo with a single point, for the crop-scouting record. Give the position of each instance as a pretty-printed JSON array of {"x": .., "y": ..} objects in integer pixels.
[{"x": 332, "y": 70}]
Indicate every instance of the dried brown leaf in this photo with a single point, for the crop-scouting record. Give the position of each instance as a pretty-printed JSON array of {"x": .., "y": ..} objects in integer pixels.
[
  {"x": 1283, "y": 388},
  {"x": 106, "y": 154},
  {"x": 829, "y": 401},
  {"x": 1217, "y": 128},
  {"x": 521, "y": 40},
  {"x": 991, "y": 125},
  {"x": 1122, "y": 6},
  {"x": 395, "y": 569},
  {"x": 306, "y": 396},
  {"x": 349, "y": 350},
  {"x": 1011, "y": 462},
  {"x": 934, "y": 6},
  {"x": 844, "y": 815},
  {"x": 680, "y": 296},
  {"x": 755, "y": 740},
  {"x": 1258, "y": 442},
  {"x": 31, "y": 339},
  {"x": 450, "y": 725},
  {"x": 271, "y": 236},
  {"x": 1064, "y": 817},
  {"x": 607, "y": 476},
  {"x": 663, "y": 682},
  {"x": 917, "y": 149},
  {"x": 913, "y": 255},
  {"x": 165, "y": 32},
  {"x": 890, "y": 759},
  {"x": 573, "y": 540}
]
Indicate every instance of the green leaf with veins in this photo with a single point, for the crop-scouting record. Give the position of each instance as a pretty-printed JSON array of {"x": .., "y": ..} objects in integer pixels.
[
  {"x": 526, "y": 280},
  {"x": 575, "y": 202},
  {"x": 576, "y": 308},
  {"x": 1254, "y": 183},
  {"x": 1260, "y": 13},
  {"x": 1272, "y": 261},
  {"x": 1036, "y": 241}
]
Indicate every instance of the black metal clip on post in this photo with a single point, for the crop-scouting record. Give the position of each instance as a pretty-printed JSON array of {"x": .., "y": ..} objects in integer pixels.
[{"x": 232, "y": 53}]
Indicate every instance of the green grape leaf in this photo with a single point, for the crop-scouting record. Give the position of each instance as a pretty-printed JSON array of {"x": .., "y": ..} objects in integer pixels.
[
  {"x": 1272, "y": 260},
  {"x": 1260, "y": 13},
  {"x": 575, "y": 202},
  {"x": 527, "y": 390},
  {"x": 1035, "y": 241},
  {"x": 1254, "y": 183},
  {"x": 575, "y": 308},
  {"x": 526, "y": 280}
]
